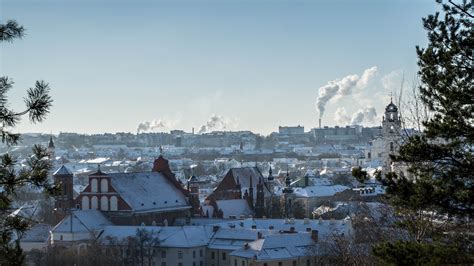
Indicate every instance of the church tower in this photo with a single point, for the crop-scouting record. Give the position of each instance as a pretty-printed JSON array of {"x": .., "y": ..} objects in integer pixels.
[
  {"x": 193, "y": 188},
  {"x": 391, "y": 133},
  {"x": 64, "y": 200},
  {"x": 51, "y": 148},
  {"x": 288, "y": 197},
  {"x": 250, "y": 195},
  {"x": 260, "y": 202}
]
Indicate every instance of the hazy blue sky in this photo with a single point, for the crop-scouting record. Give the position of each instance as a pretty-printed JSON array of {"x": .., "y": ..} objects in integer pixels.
[{"x": 257, "y": 64}]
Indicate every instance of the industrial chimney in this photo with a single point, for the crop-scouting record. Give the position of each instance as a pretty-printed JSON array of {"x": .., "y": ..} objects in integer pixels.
[{"x": 319, "y": 122}]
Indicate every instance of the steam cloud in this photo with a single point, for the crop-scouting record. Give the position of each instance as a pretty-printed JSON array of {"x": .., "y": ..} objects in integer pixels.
[
  {"x": 215, "y": 122},
  {"x": 367, "y": 114},
  {"x": 153, "y": 126},
  {"x": 342, "y": 87},
  {"x": 341, "y": 117}
]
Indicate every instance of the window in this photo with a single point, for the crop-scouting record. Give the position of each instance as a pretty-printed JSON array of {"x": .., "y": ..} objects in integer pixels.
[
  {"x": 94, "y": 185},
  {"x": 163, "y": 254},
  {"x": 294, "y": 263},
  {"x": 194, "y": 263},
  {"x": 194, "y": 254},
  {"x": 235, "y": 262},
  {"x": 265, "y": 264},
  {"x": 85, "y": 202},
  {"x": 94, "y": 203},
  {"x": 104, "y": 203},
  {"x": 243, "y": 263},
  {"x": 280, "y": 263},
  {"x": 180, "y": 264},
  {"x": 200, "y": 253},
  {"x": 163, "y": 263},
  {"x": 201, "y": 263},
  {"x": 223, "y": 255},
  {"x": 308, "y": 263},
  {"x": 60, "y": 237},
  {"x": 391, "y": 146},
  {"x": 113, "y": 203},
  {"x": 213, "y": 256},
  {"x": 104, "y": 185},
  {"x": 180, "y": 254}
]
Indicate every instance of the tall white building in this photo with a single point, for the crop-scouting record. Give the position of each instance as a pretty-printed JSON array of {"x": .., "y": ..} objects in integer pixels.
[{"x": 391, "y": 134}]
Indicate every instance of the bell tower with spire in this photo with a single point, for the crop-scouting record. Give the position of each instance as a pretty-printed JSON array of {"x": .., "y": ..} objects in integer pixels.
[
  {"x": 288, "y": 196},
  {"x": 391, "y": 133},
  {"x": 51, "y": 147}
]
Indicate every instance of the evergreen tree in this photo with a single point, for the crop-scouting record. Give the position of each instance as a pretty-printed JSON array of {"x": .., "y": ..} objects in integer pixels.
[
  {"x": 12, "y": 175},
  {"x": 440, "y": 158}
]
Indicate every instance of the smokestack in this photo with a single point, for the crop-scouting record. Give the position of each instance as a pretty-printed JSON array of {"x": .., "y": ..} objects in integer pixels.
[
  {"x": 319, "y": 122},
  {"x": 193, "y": 130}
]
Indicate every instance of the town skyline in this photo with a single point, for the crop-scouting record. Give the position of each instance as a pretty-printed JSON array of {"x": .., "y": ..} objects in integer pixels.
[{"x": 261, "y": 59}]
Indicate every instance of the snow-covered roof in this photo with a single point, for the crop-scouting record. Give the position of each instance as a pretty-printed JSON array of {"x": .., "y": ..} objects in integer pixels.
[
  {"x": 99, "y": 160},
  {"x": 82, "y": 221},
  {"x": 277, "y": 247},
  {"x": 169, "y": 236},
  {"x": 235, "y": 207},
  {"x": 63, "y": 170},
  {"x": 325, "y": 228},
  {"x": 234, "y": 238},
  {"x": 318, "y": 191},
  {"x": 148, "y": 191},
  {"x": 37, "y": 233}
]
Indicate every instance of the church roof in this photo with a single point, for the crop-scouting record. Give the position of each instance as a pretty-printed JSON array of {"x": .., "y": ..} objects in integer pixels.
[
  {"x": 235, "y": 207},
  {"x": 148, "y": 191},
  {"x": 82, "y": 221},
  {"x": 63, "y": 171},
  {"x": 243, "y": 174},
  {"x": 391, "y": 107}
]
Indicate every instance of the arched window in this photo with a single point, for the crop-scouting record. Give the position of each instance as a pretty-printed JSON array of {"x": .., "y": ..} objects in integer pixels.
[
  {"x": 94, "y": 185},
  {"x": 104, "y": 203},
  {"x": 85, "y": 203},
  {"x": 94, "y": 203},
  {"x": 113, "y": 203},
  {"x": 104, "y": 185}
]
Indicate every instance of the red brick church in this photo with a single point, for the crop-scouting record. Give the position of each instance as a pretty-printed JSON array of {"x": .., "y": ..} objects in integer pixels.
[{"x": 149, "y": 198}]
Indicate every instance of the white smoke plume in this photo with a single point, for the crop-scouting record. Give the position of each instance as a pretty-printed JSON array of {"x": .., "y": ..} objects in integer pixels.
[
  {"x": 154, "y": 126},
  {"x": 367, "y": 114},
  {"x": 342, "y": 87},
  {"x": 341, "y": 117},
  {"x": 216, "y": 123},
  {"x": 367, "y": 76}
]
